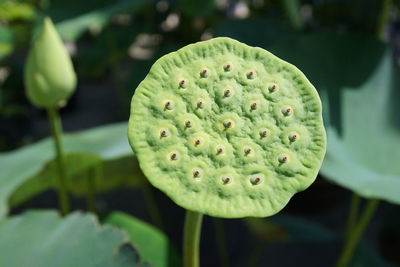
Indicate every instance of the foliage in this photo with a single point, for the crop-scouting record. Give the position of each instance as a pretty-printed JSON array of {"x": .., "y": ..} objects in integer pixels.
[
  {"x": 113, "y": 45},
  {"x": 103, "y": 147},
  {"x": 153, "y": 245},
  {"x": 42, "y": 238},
  {"x": 358, "y": 91},
  {"x": 6, "y": 41},
  {"x": 95, "y": 19},
  {"x": 284, "y": 228},
  {"x": 16, "y": 10}
]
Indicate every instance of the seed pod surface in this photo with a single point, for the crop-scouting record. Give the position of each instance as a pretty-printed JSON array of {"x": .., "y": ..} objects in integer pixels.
[{"x": 247, "y": 148}]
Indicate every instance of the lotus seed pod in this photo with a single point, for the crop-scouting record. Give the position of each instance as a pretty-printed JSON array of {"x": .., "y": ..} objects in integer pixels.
[
  {"x": 245, "y": 135},
  {"x": 49, "y": 75}
]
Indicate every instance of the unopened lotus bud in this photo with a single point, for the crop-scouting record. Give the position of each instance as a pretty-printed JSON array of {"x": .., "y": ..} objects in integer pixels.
[{"x": 49, "y": 75}]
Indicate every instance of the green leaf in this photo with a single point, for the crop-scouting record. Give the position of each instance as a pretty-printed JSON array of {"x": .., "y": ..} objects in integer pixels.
[
  {"x": 154, "y": 246},
  {"x": 43, "y": 238},
  {"x": 47, "y": 177},
  {"x": 97, "y": 17},
  {"x": 244, "y": 31},
  {"x": 15, "y": 10},
  {"x": 358, "y": 84},
  {"x": 30, "y": 170},
  {"x": 6, "y": 41},
  {"x": 303, "y": 230},
  {"x": 289, "y": 228},
  {"x": 366, "y": 255},
  {"x": 197, "y": 8},
  {"x": 111, "y": 174},
  {"x": 107, "y": 50}
]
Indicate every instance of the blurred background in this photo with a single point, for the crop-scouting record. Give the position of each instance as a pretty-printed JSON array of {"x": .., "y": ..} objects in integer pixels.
[{"x": 353, "y": 46}]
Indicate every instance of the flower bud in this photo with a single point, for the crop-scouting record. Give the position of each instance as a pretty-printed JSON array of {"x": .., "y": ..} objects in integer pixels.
[{"x": 49, "y": 74}]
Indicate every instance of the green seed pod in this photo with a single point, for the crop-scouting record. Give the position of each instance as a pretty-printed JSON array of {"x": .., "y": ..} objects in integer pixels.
[
  {"x": 257, "y": 135},
  {"x": 49, "y": 74}
]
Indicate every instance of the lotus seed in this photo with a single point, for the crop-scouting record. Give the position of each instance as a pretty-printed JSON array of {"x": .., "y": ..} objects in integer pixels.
[
  {"x": 227, "y": 124},
  {"x": 164, "y": 133},
  {"x": 283, "y": 159},
  {"x": 200, "y": 104},
  {"x": 182, "y": 84},
  {"x": 227, "y": 67},
  {"x": 292, "y": 137},
  {"x": 251, "y": 75},
  {"x": 263, "y": 132},
  {"x": 226, "y": 179},
  {"x": 188, "y": 124},
  {"x": 168, "y": 105},
  {"x": 256, "y": 180},
  {"x": 272, "y": 88},
  {"x": 204, "y": 73},
  {"x": 196, "y": 173},
  {"x": 287, "y": 111}
]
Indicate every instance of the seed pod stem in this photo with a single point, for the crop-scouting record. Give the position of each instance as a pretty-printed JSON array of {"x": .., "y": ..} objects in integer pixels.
[{"x": 191, "y": 239}]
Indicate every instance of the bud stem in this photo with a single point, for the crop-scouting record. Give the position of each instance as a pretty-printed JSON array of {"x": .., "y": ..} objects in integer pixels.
[
  {"x": 56, "y": 131},
  {"x": 93, "y": 173}
]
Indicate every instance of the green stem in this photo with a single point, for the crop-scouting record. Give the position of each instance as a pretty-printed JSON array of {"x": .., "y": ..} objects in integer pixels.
[
  {"x": 152, "y": 207},
  {"x": 256, "y": 253},
  {"x": 93, "y": 172},
  {"x": 383, "y": 18},
  {"x": 353, "y": 213},
  {"x": 56, "y": 131},
  {"x": 191, "y": 239},
  {"x": 356, "y": 233},
  {"x": 292, "y": 9},
  {"x": 221, "y": 244}
]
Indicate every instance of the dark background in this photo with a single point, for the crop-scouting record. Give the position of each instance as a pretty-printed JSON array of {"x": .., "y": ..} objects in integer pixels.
[{"x": 112, "y": 59}]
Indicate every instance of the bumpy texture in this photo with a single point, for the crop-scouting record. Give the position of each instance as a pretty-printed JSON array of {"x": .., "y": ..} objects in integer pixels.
[
  {"x": 226, "y": 129},
  {"x": 49, "y": 74}
]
